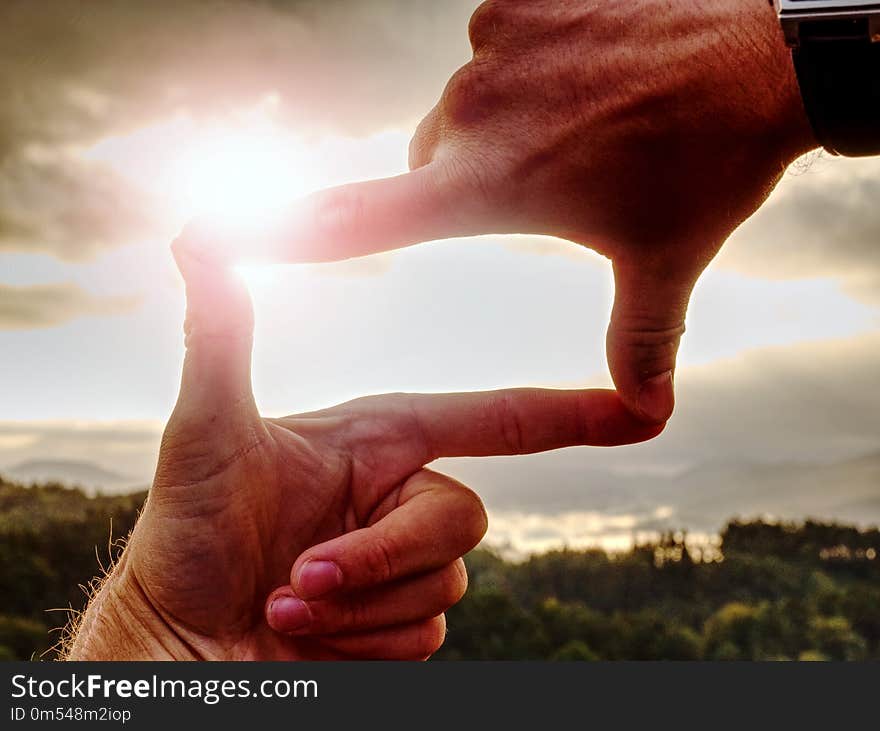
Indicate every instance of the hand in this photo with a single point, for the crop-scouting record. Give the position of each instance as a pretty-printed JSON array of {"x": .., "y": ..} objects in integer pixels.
[
  {"x": 646, "y": 130},
  {"x": 315, "y": 536}
]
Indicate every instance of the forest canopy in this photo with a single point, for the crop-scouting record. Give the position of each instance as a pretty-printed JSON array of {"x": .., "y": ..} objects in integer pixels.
[{"x": 772, "y": 591}]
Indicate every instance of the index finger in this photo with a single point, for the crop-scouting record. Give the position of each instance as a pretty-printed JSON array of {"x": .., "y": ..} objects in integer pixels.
[
  {"x": 525, "y": 421},
  {"x": 355, "y": 220},
  {"x": 409, "y": 430}
]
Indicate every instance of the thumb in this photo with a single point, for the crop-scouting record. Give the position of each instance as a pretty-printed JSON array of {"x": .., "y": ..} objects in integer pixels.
[
  {"x": 647, "y": 323},
  {"x": 216, "y": 383}
]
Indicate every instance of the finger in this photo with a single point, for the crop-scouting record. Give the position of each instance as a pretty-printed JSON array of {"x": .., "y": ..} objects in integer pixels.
[
  {"x": 401, "y": 602},
  {"x": 437, "y": 520},
  {"x": 410, "y": 430},
  {"x": 647, "y": 323},
  {"x": 525, "y": 421},
  {"x": 216, "y": 378},
  {"x": 417, "y": 641},
  {"x": 369, "y": 217}
]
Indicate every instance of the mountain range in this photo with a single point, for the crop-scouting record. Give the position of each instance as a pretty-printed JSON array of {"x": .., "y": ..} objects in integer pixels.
[
  {"x": 700, "y": 499},
  {"x": 555, "y": 484},
  {"x": 73, "y": 473}
]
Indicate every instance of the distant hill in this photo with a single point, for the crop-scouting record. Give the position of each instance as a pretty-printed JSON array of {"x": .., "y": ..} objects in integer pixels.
[
  {"x": 846, "y": 491},
  {"x": 87, "y": 475},
  {"x": 569, "y": 481},
  {"x": 698, "y": 499}
]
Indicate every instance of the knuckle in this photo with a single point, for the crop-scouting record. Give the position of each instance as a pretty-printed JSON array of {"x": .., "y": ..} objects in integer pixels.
[
  {"x": 509, "y": 423},
  {"x": 380, "y": 561},
  {"x": 648, "y": 345},
  {"x": 464, "y": 509},
  {"x": 472, "y": 94},
  {"x": 470, "y": 516},
  {"x": 354, "y": 614},
  {"x": 486, "y": 21},
  {"x": 646, "y": 332},
  {"x": 461, "y": 98}
]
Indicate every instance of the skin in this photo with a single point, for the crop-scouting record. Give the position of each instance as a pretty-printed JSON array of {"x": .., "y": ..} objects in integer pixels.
[
  {"x": 315, "y": 536},
  {"x": 647, "y": 130}
]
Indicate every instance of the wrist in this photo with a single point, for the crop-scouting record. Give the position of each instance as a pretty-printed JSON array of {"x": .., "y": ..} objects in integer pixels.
[
  {"x": 763, "y": 38},
  {"x": 120, "y": 623}
]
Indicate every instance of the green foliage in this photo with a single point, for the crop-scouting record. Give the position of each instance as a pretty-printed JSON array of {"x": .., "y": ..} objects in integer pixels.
[
  {"x": 19, "y": 637},
  {"x": 575, "y": 650},
  {"x": 772, "y": 591},
  {"x": 835, "y": 638},
  {"x": 53, "y": 541}
]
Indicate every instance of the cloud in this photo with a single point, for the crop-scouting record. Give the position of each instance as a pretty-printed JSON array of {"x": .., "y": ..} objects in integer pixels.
[
  {"x": 126, "y": 447},
  {"x": 823, "y": 221},
  {"x": 807, "y": 404},
  {"x": 71, "y": 208},
  {"x": 780, "y": 432},
  {"x": 72, "y": 74},
  {"x": 790, "y": 432},
  {"x": 814, "y": 401},
  {"x": 79, "y": 72},
  {"x": 23, "y": 308},
  {"x": 519, "y": 534}
]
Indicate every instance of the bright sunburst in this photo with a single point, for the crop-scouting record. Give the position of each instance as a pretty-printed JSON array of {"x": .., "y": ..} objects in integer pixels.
[
  {"x": 238, "y": 175},
  {"x": 232, "y": 169},
  {"x": 239, "y": 170}
]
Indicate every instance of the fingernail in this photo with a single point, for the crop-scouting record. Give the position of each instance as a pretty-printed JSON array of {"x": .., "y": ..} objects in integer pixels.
[
  {"x": 657, "y": 397},
  {"x": 289, "y": 614},
  {"x": 317, "y": 578}
]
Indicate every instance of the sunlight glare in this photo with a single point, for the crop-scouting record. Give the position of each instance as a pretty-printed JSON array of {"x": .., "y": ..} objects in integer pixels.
[
  {"x": 234, "y": 171},
  {"x": 238, "y": 172},
  {"x": 258, "y": 278},
  {"x": 237, "y": 177}
]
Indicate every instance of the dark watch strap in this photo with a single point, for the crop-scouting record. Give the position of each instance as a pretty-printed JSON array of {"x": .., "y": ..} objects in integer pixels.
[{"x": 838, "y": 70}]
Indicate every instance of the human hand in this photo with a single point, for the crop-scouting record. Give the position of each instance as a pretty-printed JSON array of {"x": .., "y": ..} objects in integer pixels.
[
  {"x": 316, "y": 536},
  {"x": 646, "y": 130}
]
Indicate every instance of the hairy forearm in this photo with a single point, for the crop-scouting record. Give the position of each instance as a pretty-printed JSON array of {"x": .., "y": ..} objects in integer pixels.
[{"x": 120, "y": 624}]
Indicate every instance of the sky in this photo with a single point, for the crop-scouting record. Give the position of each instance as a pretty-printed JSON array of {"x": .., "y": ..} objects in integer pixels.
[{"x": 120, "y": 121}]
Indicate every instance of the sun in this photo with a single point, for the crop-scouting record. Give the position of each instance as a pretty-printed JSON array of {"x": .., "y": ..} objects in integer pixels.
[
  {"x": 235, "y": 173},
  {"x": 238, "y": 176},
  {"x": 240, "y": 170},
  {"x": 238, "y": 182},
  {"x": 234, "y": 169}
]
